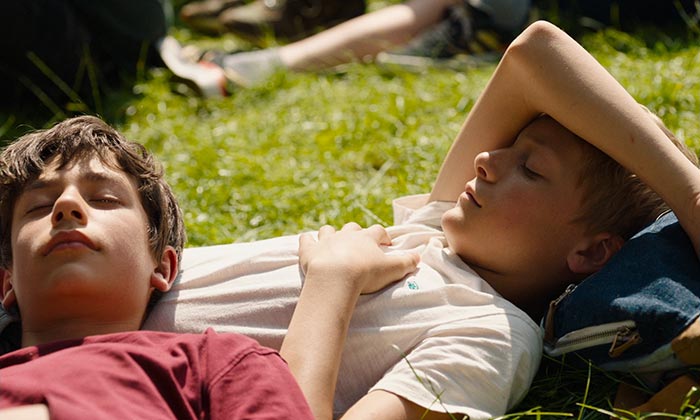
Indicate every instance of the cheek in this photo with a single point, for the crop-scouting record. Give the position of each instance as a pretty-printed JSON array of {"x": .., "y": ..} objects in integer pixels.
[
  {"x": 132, "y": 230},
  {"x": 524, "y": 208},
  {"x": 24, "y": 246},
  {"x": 25, "y": 238}
]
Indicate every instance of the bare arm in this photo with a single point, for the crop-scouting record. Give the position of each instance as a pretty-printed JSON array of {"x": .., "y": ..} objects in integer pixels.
[
  {"x": 546, "y": 71},
  {"x": 28, "y": 412},
  {"x": 388, "y": 406},
  {"x": 363, "y": 36},
  {"x": 338, "y": 268}
]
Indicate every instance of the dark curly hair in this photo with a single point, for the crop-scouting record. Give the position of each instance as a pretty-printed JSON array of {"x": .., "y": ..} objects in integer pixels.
[{"x": 25, "y": 159}]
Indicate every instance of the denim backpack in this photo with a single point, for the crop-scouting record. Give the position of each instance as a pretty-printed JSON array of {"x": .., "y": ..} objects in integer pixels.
[{"x": 640, "y": 312}]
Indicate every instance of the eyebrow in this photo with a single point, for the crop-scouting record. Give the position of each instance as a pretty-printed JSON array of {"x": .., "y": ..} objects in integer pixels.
[{"x": 90, "y": 176}]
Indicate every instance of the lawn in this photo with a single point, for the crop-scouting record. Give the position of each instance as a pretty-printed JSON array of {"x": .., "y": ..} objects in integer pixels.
[{"x": 305, "y": 150}]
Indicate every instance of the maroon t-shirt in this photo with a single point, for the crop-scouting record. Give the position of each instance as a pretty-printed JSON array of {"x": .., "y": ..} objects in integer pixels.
[{"x": 153, "y": 375}]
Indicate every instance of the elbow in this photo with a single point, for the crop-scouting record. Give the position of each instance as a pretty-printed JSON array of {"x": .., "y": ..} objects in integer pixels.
[{"x": 536, "y": 38}]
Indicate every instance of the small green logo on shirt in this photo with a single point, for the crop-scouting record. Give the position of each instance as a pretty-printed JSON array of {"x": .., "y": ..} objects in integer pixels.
[{"x": 412, "y": 285}]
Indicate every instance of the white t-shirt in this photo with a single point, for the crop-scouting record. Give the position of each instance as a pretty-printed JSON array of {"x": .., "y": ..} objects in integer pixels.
[{"x": 442, "y": 330}]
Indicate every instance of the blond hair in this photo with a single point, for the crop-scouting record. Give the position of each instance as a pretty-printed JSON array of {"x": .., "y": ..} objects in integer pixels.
[{"x": 616, "y": 200}]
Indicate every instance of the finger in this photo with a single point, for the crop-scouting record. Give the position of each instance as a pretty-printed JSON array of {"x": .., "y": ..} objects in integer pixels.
[
  {"x": 352, "y": 226},
  {"x": 379, "y": 234},
  {"x": 326, "y": 230},
  {"x": 401, "y": 265},
  {"x": 306, "y": 241}
]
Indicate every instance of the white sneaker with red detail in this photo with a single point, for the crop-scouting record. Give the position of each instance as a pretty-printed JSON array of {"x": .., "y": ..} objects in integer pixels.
[{"x": 208, "y": 79}]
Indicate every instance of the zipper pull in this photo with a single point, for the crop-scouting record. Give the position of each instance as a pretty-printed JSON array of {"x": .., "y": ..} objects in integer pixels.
[
  {"x": 549, "y": 319},
  {"x": 624, "y": 339}
]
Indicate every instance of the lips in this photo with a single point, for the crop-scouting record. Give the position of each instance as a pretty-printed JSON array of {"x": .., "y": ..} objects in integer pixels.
[
  {"x": 469, "y": 191},
  {"x": 65, "y": 240},
  {"x": 472, "y": 199}
]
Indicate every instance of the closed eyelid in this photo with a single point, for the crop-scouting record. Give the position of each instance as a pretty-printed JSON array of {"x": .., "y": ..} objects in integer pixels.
[
  {"x": 44, "y": 195},
  {"x": 34, "y": 196},
  {"x": 539, "y": 152},
  {"x": 533, "y": 166},
  {"x": 536, "y": 157}
]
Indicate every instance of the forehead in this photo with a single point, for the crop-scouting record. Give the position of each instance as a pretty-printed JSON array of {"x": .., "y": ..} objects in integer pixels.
[
  {"x": 89, "y": 162},
  {"x": 90, "y": 168},
  {"x": 547, "y": 136}
]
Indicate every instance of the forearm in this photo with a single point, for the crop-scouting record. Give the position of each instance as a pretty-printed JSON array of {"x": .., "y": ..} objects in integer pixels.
[
  {"x": 338, "y": 268},
  {"x": 314, "y": 343},
  {"x": 502, "y": 110}
]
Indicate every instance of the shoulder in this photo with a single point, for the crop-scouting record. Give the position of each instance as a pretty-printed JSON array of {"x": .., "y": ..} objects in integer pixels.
[
  {"x": 213, "y": 355},
  {"x": 480, "y": 367},
  {"x": 209, "y": 342},
  {"x": 208, "y": 345},
  {"x": 232, "y": 346}
]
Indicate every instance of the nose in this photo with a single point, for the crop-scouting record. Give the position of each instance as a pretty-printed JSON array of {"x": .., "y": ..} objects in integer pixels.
[
  {"x": 484, "y": 166},
  {"x": 69, "y": 207}
]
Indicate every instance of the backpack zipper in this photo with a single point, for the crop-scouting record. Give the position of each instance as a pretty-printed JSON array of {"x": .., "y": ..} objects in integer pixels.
[
  {"x": 549, "y": 318},
  {"x": 621, "y": 335}
]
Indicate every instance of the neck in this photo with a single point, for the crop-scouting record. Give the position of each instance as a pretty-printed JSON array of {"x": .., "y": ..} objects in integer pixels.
[
  {"x": 72, "y": 329},
  {"x": 532, "y": 297}
]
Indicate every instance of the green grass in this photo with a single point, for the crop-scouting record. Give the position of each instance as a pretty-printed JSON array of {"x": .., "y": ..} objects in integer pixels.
[
  {"x": 310, "y": 149},
  {"x": 304, "y": 150}
]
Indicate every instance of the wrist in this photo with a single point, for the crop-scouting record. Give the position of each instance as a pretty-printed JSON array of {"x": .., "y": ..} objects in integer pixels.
[{"x": 338, "y": 281}]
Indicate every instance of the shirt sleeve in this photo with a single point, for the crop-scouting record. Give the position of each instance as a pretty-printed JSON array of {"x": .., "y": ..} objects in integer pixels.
[
  {"x": 481, "y": 373},
  {"x": 256, "y": 384}
]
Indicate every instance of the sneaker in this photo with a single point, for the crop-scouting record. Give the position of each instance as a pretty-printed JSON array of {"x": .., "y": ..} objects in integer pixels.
[
  {"x": 288, "y": 19},
  {"x": 240, "y": 68},
  {"x": 206, "y": 78},
  {"x": 203, "y": 16}
]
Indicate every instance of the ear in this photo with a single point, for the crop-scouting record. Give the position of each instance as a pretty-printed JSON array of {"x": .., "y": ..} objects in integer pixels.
[
  {"x": 7, "y": 298},
  {"x": 165, "y": 272},
  {"x": 592, "y": 253}
]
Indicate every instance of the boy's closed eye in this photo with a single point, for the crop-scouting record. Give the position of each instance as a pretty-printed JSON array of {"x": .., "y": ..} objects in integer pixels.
[
  {"x": 535, "y": 165},
  {"x": 41, "y": 208},
  {"x": 38, "y": 203},
  {"x": 529, "y": 172},
  {"x": 35, "y": 202},
  {"x": 111, "y": 200}
]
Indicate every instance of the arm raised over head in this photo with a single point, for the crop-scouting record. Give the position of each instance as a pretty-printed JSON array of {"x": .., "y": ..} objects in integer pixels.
[{"x": 546, "y": 71}]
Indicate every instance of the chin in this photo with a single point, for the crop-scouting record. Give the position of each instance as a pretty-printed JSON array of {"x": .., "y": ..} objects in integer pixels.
[{"x": 452, "y": 219}]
